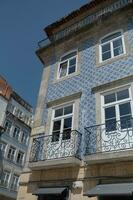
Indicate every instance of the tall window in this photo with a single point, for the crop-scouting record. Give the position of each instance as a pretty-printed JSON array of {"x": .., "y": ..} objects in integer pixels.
[
  {"x": 117, "y": 107},
  {"x": 5, "y": 179},
  {"x": 112, "y": 46},
  {"x": 68, "y": 64},
  {"x": 24, "y": 137},
  {"x": 62, "y": 123},
  {"x": 16, "y": 132},
  {"x": 11, "y": 108},
  {"x": 14, "y": 183},
  {"x": 20, "y": 157},
  {"x": 7, "y": 127},
  {"x": 11, "y": 153}
]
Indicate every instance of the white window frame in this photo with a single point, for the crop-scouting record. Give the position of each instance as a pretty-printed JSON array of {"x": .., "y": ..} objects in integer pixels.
[
  {"x": 15, "y": 183},
  {"x": 24, "y": 133},
  {"x": 62, "y": 117},
  {"x": 111, "y": 44},
  {"x": 17, "y": 138},
  {"x": 22, "y": 160},
  {"x": 116, "y": 103},
  {"x": 67, "y": 75},
  {"x": 11, "y": 155},
  {"x": 8, "y": 130},
  {"x": 4, "y": 180}
]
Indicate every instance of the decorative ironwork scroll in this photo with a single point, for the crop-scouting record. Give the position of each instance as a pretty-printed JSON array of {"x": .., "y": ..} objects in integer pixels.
[
  {"x": 44, "y": 148},
  {"x": 102, "y": 139}
]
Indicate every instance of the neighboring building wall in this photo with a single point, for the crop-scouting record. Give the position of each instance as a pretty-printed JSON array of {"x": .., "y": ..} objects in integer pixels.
[
  {"x": 5, "y": 92},
  {"x": 3, "y": 106},
  {"x": 17, "y": 121}
]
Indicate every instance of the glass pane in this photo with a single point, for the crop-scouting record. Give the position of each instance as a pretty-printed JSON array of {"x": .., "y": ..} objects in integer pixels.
[
  {"x": 70, "y": 55},
  {"x": 110, "y": 125},
  {"x": 105, "y": 48},
  {"x": 109, "y": 98},
  {"x": 57, "y": 125},
  {"x": 68, "y": 123},
  {"x": 118, "y": 51},
  {"x": 125, "y": 109},
  {"x": 106, "y": 55},
  {"x": 126, "y": 122},
  {"x": 110, "y": 112},
  {"x": 63, "y": 69},
  {"x": 66, "y": 134},
  {"x": 68, "y": 110},
  {"x": 122, "y": 94},
  {"x": 110, "y": 37},
  {"x": 59, "y": 112},
  {"x": 55, "y": 136},
  {"x": 117, "y": 43},
  {"x": 72, "y": 69},
  {"x": 72, "y": 62}
]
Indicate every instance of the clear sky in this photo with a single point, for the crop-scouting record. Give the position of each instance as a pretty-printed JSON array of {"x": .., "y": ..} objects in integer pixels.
[{"x": 21, "y": 27}]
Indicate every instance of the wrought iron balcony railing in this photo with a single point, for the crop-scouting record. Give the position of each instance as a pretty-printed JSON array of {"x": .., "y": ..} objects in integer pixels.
[
  {"x": 48, "y": 147},
  {"x": 102, "y": 138}
]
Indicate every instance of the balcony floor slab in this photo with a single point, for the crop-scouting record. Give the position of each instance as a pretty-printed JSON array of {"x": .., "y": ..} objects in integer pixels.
[
  {"x": 108, "y": 157},
  {"x": 55, "y": 163}
]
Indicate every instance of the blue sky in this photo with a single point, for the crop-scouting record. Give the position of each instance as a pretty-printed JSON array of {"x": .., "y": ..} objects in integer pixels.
[{"x": 21, "y": 27}]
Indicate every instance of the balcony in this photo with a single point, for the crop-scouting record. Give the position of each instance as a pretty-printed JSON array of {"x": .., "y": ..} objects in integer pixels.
[
  {"x": 109, "y": 142},
  {"x": 48, "y": 151}
]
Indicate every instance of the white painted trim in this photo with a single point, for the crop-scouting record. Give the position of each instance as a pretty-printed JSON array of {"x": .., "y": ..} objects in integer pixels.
[
  {"x": 62, "y": 117},
  {"x": 111, "y": 45},
  {"x": 76, "y": 56},
  {"x": 116, "y": 103}
]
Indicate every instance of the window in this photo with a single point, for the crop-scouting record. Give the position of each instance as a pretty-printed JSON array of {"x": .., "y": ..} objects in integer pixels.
[
  {"x": 11, "y": 108},
  {"x": 20, "y": 157},
  {"x": 26, "y": 119},
  {"x": 5, "y": 179},
  {"x": 3, "y": 147},
  {"x": 68, "y": 64},
  {"x": 24, "y": 137},
  {"x": 14, "y": 183},
  {"x": 62, "y": 123},
  {"x": 18, "y": 112},
  {"x": 7, "y": 126},
  {"x": 11, "y": 153},
  {"x": 16, "y": 132},
  {"x": 117, "y": 107},
  {"x": 112, "y": 46}
]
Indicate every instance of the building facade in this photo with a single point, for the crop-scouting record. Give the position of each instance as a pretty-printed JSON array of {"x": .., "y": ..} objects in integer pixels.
[
  {"x": 16, "y": 119},
  {"x": 82, "y": 139}
]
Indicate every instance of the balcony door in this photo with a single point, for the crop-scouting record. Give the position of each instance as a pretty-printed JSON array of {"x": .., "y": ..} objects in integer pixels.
[
  {"x": 60, "y": 141},
  {"x": 117, "y": 129}
]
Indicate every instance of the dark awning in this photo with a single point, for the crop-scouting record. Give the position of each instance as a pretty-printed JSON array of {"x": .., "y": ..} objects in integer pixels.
[
  {"x": 111, "y": 189},
  {"x": 49, "y": 191}
]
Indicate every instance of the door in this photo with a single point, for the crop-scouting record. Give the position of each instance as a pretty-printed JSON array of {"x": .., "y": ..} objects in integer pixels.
[{"x": 60, "y": 142}]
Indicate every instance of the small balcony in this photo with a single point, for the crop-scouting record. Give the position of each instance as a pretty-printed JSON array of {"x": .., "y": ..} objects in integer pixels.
[
  {"x": 109, "y": 142},
  {"x": 49, "y": 151}
]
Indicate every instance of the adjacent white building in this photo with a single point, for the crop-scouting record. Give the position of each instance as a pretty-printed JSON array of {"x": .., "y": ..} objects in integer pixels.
[{"x": 16, "y": 119}]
